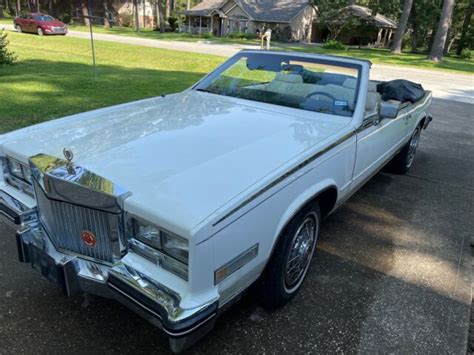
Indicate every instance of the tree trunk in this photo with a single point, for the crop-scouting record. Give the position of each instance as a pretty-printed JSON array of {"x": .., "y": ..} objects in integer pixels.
[
  {"x": 436, "y": 53},
  {"x": 401, "y": 27},
  {"x": 161, "y": 15},
  {"x": 155, "y": 14},
  {"x": 106, "y": 14},
  {"x": 50, "y": 6},
  {"x": 449, "y": 36},
  {"x": 18, "y": 7},
  {"x": 168, "y": 9},
  {"x": 135, "y": 12},
  {"x": 85, "y": 13},
  {"x": 188, "y": 4},
  {"x": 144, "y": 13},
  {"x": 414, "y": 33},
  {"x": 465, "y": 28}
]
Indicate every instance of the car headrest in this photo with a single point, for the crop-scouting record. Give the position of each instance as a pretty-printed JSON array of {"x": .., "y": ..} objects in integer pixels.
[{"x": 289, "y": 78}]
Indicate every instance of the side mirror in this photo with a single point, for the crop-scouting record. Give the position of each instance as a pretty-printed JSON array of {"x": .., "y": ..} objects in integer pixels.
[{"x": 389, "y": 109}]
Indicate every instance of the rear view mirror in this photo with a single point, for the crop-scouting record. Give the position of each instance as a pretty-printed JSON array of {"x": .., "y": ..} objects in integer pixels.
[{"x": 389, "y": 109}]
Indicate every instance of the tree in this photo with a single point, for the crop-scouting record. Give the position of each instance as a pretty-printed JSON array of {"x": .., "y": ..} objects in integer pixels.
[
  {"x": 161, "y": 15},
  {"x": 85, "y": 13},
  {"x": 6, "y": 56},
  {"x": 401, "y": 27},
  {"x": 463, "y": 41},
  {"x": 437, "y": 49},
  {"x": 135, "y": 12},
  {"x": 106, "y": 14},
  {"x": 167, "y": 9}
]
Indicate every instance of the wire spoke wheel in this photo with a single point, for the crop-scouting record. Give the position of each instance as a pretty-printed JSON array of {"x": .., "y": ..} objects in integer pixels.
[
  {"x": 300, "y": 253},
  {"x": 415, "y": 140}
]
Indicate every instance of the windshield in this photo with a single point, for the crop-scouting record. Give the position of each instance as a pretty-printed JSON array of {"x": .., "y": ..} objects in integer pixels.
[
  {"x": 309, "y": 84},
  {"x": 44, "y": 18}
]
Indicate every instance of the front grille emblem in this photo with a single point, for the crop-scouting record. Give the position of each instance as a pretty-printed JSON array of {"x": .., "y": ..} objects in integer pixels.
[{"x": 88, "y": 238}]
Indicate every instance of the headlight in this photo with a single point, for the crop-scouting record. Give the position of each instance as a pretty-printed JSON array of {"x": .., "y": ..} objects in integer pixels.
[
  {"x": 15, "y": 168},
  {"x": 18, "y": 175},
  {"x": 161, "y": 247},
  {"x": 147, "y": 234},
  {"x": 175, "y": 247}
]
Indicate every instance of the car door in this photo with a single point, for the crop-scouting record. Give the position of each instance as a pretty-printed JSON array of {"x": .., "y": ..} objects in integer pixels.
[
  {"x": 378, "y": 139},
  {"x": 28, "y": 23}
]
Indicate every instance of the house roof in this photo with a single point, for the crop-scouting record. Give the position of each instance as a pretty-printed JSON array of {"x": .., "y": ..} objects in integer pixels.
[
  {"x": 205, "y": 8},
  {"x": 366, "y": 14},
  {"x": 258, "y": 10}
]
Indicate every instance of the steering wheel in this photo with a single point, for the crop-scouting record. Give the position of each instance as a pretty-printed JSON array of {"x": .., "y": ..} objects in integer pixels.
[{"x": 320, "y": 93}]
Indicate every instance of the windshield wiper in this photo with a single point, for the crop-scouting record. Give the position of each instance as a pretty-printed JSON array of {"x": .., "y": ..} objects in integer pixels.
[{"x": 204, "y": 90}]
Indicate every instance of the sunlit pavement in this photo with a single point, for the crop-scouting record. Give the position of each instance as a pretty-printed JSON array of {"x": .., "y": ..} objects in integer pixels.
[{"x": 392, "y": 273}]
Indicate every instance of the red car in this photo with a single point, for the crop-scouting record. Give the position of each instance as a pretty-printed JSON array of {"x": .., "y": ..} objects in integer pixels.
[{"x": 40, "y": 23}]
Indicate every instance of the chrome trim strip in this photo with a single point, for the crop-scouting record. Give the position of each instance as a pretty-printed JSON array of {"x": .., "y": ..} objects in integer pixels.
[
  {"x": 64, "y": 181},
  {"x": 286, "y": 175},
  {"x": 135, "y": 301},
  {"x": 13, "y": 210},
  {"x": 186, "y": 332}
]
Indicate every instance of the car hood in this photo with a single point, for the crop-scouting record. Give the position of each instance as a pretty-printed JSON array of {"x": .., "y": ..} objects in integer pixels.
[{"x": 182, "y": 157}]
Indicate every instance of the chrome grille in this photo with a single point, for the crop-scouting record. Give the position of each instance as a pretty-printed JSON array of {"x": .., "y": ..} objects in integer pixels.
[{"x": 65, "y": 222}]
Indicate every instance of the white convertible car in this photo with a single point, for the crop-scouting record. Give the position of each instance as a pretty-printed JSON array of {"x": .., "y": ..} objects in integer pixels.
[{"x": 175, "y": 205}]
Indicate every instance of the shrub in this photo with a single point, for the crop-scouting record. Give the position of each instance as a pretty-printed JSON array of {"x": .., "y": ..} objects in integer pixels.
[
  {"x": 6, "y": 55},
  {"x": 173, "y": 22},
  {"x": 241, "y": 35},
  {"x": 67, "y": 18},
  {"x": 466, "y": 54},
  {"x": 126, "y": 19},
  {"x": 333, "y": 44},
  {"x": 206, "y": 35}
]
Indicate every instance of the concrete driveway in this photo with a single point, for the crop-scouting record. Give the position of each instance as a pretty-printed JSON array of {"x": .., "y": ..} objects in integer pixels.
[{"x": 392, "y": 273}]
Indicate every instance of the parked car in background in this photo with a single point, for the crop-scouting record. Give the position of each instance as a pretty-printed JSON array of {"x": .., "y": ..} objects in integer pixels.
[
  {"x": 175, "y": 205},
  {"x": 39, "y": 23}
]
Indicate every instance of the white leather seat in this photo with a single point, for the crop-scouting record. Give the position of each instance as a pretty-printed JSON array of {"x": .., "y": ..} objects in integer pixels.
[{"x": 290, "y": 84}]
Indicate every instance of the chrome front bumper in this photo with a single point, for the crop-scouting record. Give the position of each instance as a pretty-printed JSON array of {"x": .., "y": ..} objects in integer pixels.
[
  {"x": 14, "y": 212},
  {"x": 120, "y": 281}
]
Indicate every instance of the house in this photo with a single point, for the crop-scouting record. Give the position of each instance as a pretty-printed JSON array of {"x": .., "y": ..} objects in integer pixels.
[
  {"x": 355, "y": 25},
  {"x": 289, "y": 19}
]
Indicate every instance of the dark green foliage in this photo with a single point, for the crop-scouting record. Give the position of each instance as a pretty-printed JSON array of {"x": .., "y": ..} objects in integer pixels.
[
  {"x": 333, "y": 44},
  {"x": 241, "y": 35},
  {"x": 6, "y": 55},
  {"x": 173, "y": 23}
]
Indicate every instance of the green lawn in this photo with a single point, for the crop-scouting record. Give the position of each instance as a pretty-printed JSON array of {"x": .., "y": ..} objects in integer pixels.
[
  {"x": 53, "y": 77},
  {"x": 167, "y": 36},
  {"x": 378, "y": 56}
]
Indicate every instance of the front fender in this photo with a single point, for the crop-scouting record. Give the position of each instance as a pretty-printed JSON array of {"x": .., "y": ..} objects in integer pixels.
[{"x": 300, "y": 201}]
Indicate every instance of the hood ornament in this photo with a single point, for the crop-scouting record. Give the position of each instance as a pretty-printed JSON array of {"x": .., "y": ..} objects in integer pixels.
[{"x": 69, "y": 155}]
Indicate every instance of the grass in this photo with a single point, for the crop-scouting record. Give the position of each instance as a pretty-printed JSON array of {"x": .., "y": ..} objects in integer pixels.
[
  {"x": 377, "y": 56},
  {"x": 167, "y": 36},
  {"x": 53, "y": 77}
]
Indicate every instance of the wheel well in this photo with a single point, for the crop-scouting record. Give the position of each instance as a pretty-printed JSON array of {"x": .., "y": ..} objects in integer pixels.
[
  {"x": 422, "y": 122},
  {"x": 327, "y": 200}
]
